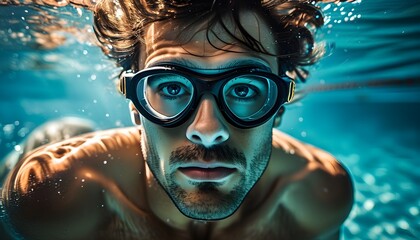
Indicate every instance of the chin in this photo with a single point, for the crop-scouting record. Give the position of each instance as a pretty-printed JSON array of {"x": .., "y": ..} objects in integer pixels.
[
  {"x": 207, "y": 202},
  {"x": 207, "y": 211}
]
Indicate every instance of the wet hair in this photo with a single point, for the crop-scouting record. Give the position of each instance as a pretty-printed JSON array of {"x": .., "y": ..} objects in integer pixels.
[{"x": 120, "y": 25}]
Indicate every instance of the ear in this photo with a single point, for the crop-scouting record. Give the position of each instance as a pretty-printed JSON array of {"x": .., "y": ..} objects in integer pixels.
[
  {"x": 135, "y": 115},
  {"x": 279, "y": 115}
]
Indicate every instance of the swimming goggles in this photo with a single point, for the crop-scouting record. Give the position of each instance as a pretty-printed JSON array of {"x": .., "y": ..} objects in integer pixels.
[{"x": 168, "y": 95}]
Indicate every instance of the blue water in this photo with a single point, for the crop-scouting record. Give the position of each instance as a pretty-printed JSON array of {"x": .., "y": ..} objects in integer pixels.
[{"x": 373, "y": 131}]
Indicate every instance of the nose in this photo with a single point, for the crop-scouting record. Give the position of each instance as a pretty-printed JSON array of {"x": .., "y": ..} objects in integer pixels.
[{"x": 208, "y": 127}]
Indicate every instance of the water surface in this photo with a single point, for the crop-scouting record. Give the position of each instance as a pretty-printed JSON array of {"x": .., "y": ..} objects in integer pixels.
[{"x": 370, "y": 122}]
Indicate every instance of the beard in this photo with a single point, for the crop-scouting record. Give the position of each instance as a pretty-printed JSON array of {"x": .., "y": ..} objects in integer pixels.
[{"x": 207, "y": 201}]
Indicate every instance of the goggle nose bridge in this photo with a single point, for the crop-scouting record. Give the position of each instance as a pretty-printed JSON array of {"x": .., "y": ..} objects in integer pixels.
[
  {"x": 211, "y": 86},
  {"x": 205, "y": 86}
]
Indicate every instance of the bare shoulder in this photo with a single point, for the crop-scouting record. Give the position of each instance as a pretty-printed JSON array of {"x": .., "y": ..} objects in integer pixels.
[
  {"x": 70, "y": 155},
  {"x": 319, "y": 193},
  {"x": 59, "y": 185}
]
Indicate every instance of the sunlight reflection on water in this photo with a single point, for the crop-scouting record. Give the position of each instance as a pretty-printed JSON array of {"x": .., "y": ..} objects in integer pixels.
[{"x": 374, "y": 133}]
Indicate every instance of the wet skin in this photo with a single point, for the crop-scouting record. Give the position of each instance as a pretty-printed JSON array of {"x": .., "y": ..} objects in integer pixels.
[
  {"x": 207, "y": 127},
  {"x": 121, "y": 184}
]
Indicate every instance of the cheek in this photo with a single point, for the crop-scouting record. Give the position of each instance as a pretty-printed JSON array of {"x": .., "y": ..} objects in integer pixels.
[
  {"x": 165, "y": 140},
  {"x": 250, "y": 140},
  {"x": 251, "y": 136}
]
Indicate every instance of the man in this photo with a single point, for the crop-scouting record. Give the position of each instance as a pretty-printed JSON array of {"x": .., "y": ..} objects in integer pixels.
[{"x": 205, "y": 160}]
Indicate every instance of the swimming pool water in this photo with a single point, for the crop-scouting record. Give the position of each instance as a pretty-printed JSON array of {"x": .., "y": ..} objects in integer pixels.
[{"x": 373, "y": 131}]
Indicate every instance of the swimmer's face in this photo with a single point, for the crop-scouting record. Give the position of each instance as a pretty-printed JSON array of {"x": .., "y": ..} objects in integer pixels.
[{"x": 206, "y": 165}]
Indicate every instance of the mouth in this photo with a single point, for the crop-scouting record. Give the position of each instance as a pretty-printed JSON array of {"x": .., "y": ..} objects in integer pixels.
[{"x": 207, "y": 172}]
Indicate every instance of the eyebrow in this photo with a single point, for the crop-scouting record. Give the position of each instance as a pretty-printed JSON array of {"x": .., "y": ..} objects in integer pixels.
[{"x": 228, "y": 65}]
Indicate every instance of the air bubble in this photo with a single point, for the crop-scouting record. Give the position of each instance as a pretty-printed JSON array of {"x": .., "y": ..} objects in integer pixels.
[
  {"x": 389, "y": 228},
  {"x": 8, "y": 129},
  {"x": 79, "y": 11},
  {"x": 17, "y": 148},
  {"x": 354, "y": 228},
  {"x": 369, "y": 179},
  {"x": 386, "y": 197},
  {"x": 375, "y": 232},
  {"x": 414, "y": 211},
  {"x": 403, "y": 224},
  {"x": 368, "y": 205}
]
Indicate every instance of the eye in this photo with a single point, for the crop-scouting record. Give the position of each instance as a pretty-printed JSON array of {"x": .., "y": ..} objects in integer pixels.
[
  {"x": 242, "y": 91},
  {"x": 173, "y": 89}
]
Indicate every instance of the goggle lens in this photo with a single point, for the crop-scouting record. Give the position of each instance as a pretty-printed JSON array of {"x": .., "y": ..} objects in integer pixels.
[
  {"x": 165, "y": 95},
  {"x": 249, "y": 97}
]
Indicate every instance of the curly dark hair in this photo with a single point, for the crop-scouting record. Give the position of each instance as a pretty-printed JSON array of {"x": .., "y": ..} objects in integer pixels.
[{"x": 119, "y": 26}]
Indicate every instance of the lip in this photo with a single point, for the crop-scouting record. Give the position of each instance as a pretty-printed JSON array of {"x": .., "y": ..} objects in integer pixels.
[{"x": 207, "y": 172}]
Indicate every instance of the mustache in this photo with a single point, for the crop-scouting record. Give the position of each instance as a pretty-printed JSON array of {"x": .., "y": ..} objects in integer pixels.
[{"x": 221, "y": 153}]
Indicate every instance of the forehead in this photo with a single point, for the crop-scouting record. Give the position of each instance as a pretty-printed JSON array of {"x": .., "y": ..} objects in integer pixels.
[{"x": 199, "y": 46}]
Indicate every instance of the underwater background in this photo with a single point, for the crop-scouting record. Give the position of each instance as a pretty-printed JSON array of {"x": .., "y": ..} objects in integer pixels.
[{"x": 361, "y": 103}]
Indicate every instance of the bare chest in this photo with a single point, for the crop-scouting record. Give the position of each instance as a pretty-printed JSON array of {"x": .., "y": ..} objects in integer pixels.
[{"x": 280, "y": 226}]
